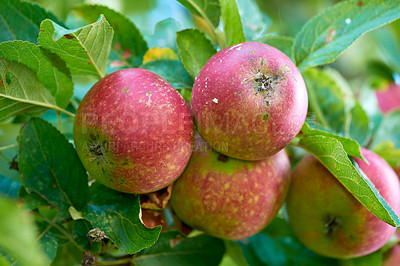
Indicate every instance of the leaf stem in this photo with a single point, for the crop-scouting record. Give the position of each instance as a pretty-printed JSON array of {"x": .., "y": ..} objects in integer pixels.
[
  {"x": 7, "y": 147},
  {"x": 59, "y": 121},
  {"x": 63, "y": 111},
  {"x": 60, "y": 229},
  {"x": 115, "y": 262},
  {"x": 5, "y": 158},
  {"x": 42, "y": 104}
]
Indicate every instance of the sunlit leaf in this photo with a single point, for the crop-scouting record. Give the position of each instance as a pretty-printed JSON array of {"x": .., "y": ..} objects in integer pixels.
[
  {"x": 129, "y": 47},
  {"x": 49, "y": 68},
  {"x": 194, "y": 49},
  {"x": 21, "y": 92},
  {"x": 323, "y": 38},
  {"x": 231, "y": 22},
  {"x": 206, "y": 9},
  {"x": 85, "y": 50}
]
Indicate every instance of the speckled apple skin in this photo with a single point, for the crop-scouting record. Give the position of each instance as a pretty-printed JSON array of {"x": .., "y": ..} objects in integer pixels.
[
  {"x": 230, "y": 198},
  {"x": 229, "y": 106},
  {"x": 141, "y": 127},
  {"x": 316, "y": 194}
]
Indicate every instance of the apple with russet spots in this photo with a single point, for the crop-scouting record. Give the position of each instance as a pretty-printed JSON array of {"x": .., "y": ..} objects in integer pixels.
[
  {"x": 133, "y": 131},
  {"x": 230, "y": 198},
  {"x": 251, "y": 96}
]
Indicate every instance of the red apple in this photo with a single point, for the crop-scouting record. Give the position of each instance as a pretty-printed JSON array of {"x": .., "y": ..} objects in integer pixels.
[
  {"x": 252, "y": 97},
  {"x": 230, "y": 198},
  {"x": 389, "y": 98},
  {"x": 392, "y": 257},
  {"x": 328, "y": 219},
  {"x": 133, "y": 131}
]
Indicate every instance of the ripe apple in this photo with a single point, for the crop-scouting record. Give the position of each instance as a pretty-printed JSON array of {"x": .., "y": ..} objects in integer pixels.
[
  {"x": 133, "y": 131},
  {"x": 230, "y": 198},
  {"x": 389, "y": 98},
  {"x": 252, "y": 97},
  {"x": 392, "y": 256},
  {"x": 328, "y": 219}
]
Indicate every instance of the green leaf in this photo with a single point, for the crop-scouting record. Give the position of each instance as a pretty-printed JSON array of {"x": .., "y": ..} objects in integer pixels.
[
  {"x": 21, "y": 92},
  {"x": 165, "y": 33},
  {"x": 129, "y": 47},
  {"x": 194, "y": 49},
  {"x": 249, "y": 253},
  {"x": 350, "y": 146},
  {"x": 9, "y": 187},
  {"x": 49, "y": 68},
  {"x": 252, "y": 17},
  {"x": 21, "y": 20},
  {"x": 3, "y": 261},
  {"x": 31, "y": 200},
  {"x": 18, "y": 235},
  {"x": 206, "y": 9},
  {"x": 388, "y": 152},
  {"x": 359, "y": 124},
  {"x": 389, "y": 130},
  {"x": 268, "y": 250},
  {"x": 85, "y": 50},
  {"x": 231, "y": 22},
  {"x": 80, "y": 231},
  {"x": 330, "y": 98},
  {"x": 234, "y": 251},
  {"x": 282, "y": 43},
  {"x": 49, "y": 243},
  {"x": 284, "y": 249},
  {"x": 174, "y": 249},
  {"x": 172, "y": 71},
  {"x": 67, "y": 255},
  {"x": 372, "y": 259},
  {"x": 117, "y": 215},
  {"x": 330, "y": 152},
  {"x": 50, "y": 166},
  {"x": 323, "y": 38}
]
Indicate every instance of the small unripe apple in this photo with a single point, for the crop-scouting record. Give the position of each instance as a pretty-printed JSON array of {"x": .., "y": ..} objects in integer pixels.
[
  {"x": 133, "y": 131},
  {"x": 252, "y": 97},
  {"x": 328, "y": 219},
  {"x": 230, "y": 198}
]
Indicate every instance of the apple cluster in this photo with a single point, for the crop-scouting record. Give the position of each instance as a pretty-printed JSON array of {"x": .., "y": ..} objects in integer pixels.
[{"x": 135, "y": 133}]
